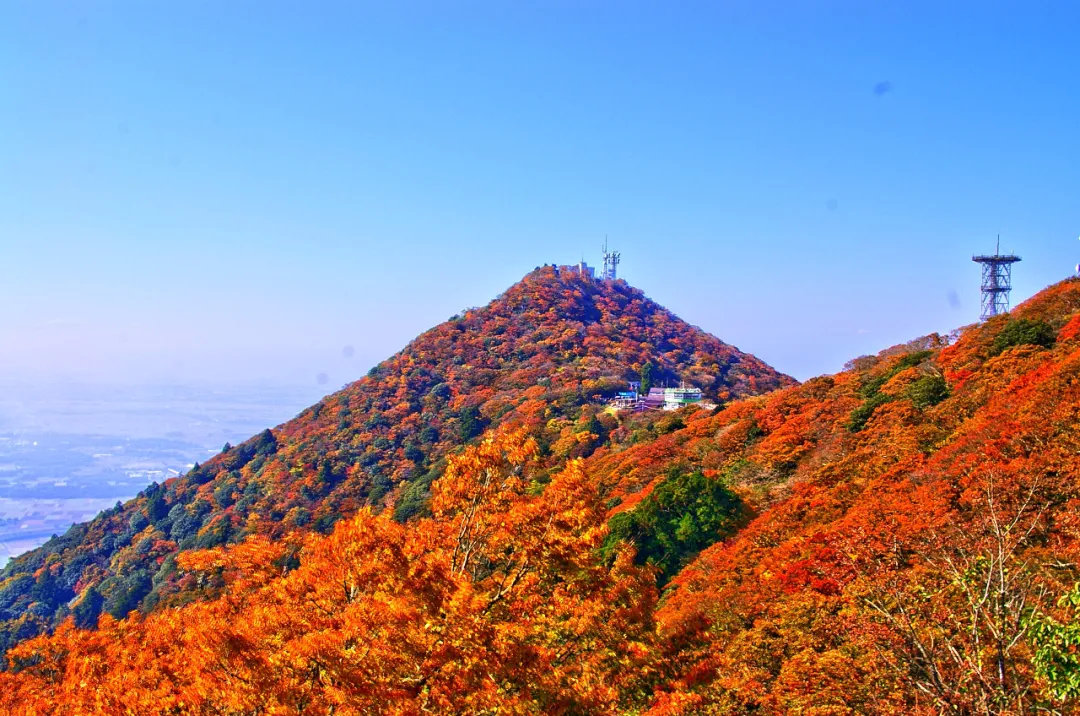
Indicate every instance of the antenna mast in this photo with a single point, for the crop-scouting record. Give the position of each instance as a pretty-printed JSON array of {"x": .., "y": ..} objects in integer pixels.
[
  {"x": 611, "y": 263},
  {"x": 996, "y": 281}
]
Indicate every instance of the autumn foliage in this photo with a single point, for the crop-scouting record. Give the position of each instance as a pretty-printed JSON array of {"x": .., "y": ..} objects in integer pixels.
[
  {"x": 901, "y": 537},
  {"x": 546, "y": 354},
  {"x": 498, "y": 602}
]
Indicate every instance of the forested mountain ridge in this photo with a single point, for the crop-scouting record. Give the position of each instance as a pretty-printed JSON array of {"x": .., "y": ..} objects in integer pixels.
[
  {"x": 901, "y": 537},
  {"x": 545, "y": 354},
  {"x": 910, "y": 542}
]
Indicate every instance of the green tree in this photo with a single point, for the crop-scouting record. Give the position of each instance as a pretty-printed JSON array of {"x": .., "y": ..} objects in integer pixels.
[
  {"x": 266, "y": 443},
  {"x": 686, "y": 513},
  {"x": 861, "y": 415},
  {"x": 156, "y": 506},
  {"x": 126, "y": 593},
  {"x": 86, "y": 612},
  {"x": 1057, "y": 649},
  {"x": 45, "y": 587},
  {"x": 928, "y": 390},
  {"x": 416, "y": 497},
  {"x": 1023, "y": 331},
  {"x": 647, "y": 372},
  {"x": 470, "y": 423}
]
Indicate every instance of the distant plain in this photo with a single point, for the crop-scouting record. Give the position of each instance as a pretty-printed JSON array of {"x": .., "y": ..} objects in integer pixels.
[{"x": 69, "y": 451}]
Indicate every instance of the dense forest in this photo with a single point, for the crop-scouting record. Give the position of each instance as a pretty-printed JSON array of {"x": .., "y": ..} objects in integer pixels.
[
  {"x": 901, "y": 537},
  {"x": 547, "y": 353}
]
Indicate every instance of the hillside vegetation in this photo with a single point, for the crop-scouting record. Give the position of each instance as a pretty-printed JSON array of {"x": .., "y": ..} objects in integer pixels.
[
  {"x": 901, "y": 537},
  {"x": 547, "y": 353}
]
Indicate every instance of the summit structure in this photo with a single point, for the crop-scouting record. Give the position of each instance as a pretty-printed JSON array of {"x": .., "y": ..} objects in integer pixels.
[
  {"x": 996, "y": 281},
  {"x": 611, "y": 263}
]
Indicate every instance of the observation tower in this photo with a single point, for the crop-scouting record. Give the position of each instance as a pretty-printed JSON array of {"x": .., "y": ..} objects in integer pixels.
[{"x": 996, "y": 281}]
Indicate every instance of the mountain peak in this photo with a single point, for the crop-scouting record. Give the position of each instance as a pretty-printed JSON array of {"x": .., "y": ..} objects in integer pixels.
[
  {"x": 565, "y": 329},
  {"x": 559, "y": 288},
  {"x": 546, "y": 355}
]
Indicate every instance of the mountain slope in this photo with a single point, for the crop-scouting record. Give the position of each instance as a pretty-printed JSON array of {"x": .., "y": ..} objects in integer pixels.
[
  {"x": 913, "y": 525},
  {"x": 900, "y": 537},
  {"x": 545, "y": 354}
]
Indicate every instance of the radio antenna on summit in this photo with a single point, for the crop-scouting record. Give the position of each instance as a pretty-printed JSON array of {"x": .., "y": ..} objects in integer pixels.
[{"x": 611, "y": 263}]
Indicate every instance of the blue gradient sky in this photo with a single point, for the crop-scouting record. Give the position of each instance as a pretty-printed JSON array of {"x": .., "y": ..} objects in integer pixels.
[{"x": 207, "y": 191}]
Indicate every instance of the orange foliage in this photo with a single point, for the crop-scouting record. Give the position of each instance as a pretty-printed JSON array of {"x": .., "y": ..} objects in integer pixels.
[
  {"x": 543, "y": 355},
  {"x": 496, "y": 603},
  {"x": 881, "y": 503}
]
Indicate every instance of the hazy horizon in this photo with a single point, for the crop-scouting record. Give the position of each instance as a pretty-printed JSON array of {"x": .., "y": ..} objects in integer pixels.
[
  {"x": 326, "y": 368},
  {"x": 69, "y": 451}
]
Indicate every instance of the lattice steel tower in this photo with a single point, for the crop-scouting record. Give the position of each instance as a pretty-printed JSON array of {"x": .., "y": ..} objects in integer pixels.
[
  {"x": 611, "y": 263},
  {"x": 996, "y": 281}
]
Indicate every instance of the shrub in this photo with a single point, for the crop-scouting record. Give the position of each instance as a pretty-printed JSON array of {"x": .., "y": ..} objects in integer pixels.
[
  {"x": 470, "y": 423},
  {"x": 126, "y": 592},
  {"x": 415, "y": 499},
  {"x": 860, "y": 415},
  {"x": 928, "y": 390},
  {"x": 874, "y": 398},
  {"x": 1022, "y": 331},
  {"x": 669, "y": 425},
  {"x": 88, "y": 609}
]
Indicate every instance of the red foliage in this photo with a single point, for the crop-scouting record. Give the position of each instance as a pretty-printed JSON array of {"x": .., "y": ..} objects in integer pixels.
[
  {"x": 546, "y": 354},
  {"x": 854, "y": 586}
]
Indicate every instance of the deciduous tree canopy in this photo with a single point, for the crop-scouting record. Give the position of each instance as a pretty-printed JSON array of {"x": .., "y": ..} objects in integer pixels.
[
  {"x": 545, "y": 354},
  {"x": 924, "y": 558}
]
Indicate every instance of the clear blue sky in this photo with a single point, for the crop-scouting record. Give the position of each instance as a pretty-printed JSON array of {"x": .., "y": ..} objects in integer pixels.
[{"x": 208, "y": 191}]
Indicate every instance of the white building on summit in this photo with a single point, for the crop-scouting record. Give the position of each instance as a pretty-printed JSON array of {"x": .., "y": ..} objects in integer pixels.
[
  {"x": 675, "y": 398},
  {"x": 658, "y": 398},
  {"x": 608, "y": 273}
]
